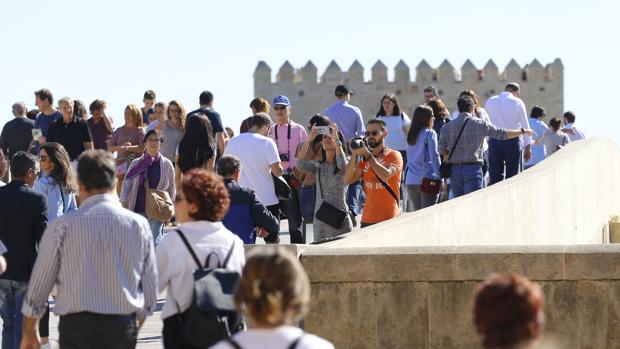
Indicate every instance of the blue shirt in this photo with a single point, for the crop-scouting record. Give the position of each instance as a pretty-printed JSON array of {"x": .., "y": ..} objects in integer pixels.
[
  {"x": 423, "y": 158},
  {"x": 58, "y": 203},
  {"x": 539, "y": 152},
  {"x": 348, "y": 118},
  {"x": 44, "y": 122}
]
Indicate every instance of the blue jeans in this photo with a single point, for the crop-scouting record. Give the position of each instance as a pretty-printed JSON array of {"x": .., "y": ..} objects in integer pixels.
[
  {"x": 307, "y": 198},
  {"x": 465, "y": 179},
  {"x": 354, "y": 193},
  {"x": 157, "y": 229},
  {"x": 503, "y": 154},
  {"x": 12, "y": 295}
]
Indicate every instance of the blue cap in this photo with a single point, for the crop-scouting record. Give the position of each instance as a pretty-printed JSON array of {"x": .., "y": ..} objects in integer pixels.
[{"x": 281, "y": 100}]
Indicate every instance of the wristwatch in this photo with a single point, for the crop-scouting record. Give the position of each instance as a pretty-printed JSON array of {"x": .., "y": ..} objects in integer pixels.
[{"x": 522, "y": 131}]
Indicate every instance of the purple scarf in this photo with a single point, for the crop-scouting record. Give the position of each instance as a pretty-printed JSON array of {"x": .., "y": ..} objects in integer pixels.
[{"x": 142, "y": 168}]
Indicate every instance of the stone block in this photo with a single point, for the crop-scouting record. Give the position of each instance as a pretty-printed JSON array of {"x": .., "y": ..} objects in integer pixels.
[
  {"x": 592, "y": 262},
  {"x": 613, "y": 315},
  {"x": 450, "y": 315}
]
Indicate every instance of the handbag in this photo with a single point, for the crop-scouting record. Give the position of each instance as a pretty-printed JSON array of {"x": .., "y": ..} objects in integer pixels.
[
  {"x": 328, "y": 213},
  {"x": 283, "y": 190},
  {"x": 445, "y": 169},
  {"x": 158, "y": 204}
]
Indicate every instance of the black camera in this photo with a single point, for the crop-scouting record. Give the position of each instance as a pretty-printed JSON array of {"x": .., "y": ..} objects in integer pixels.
[
  {"x": 358, "y": 142},
  {"x": 284, "y": 157}
]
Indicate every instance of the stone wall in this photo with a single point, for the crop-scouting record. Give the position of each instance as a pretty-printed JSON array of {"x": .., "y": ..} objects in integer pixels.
[
  {"x": 309, "y": 95},
  {"x": 421, "y": 297}
]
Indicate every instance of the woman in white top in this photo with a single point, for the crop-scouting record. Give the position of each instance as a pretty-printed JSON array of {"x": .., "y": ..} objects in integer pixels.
[
  {"x": 200, "y": 204},
  {"x": 274, "y": 293},
  {"x": 397, "y": 123}
]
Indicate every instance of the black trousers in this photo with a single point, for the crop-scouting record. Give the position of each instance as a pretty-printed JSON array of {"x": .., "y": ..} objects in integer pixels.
[
  {"x": 173, "y": 334},
  {"x": 97, "y": 331},
  {"x": 275, "y": 211}
]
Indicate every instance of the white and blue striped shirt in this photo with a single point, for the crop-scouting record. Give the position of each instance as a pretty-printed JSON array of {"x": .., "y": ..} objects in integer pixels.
[{"x": 102, "y": 259}]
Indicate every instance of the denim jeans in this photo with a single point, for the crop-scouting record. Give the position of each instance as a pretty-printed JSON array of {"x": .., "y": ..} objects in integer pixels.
[
  {"x": 157, "y": 229},
  {"x": 465, "y": 179},
  {"x": 307, "y": 198},
  {"x": 419, "y": 200},
  {"x": 12, "y": 295},
  {"x": 354, "y": 193}
]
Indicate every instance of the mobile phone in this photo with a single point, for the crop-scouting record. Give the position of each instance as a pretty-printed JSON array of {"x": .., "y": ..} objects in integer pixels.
[
  {"x": 322, "y": 130},
  {"x": 36, "y": 133}
]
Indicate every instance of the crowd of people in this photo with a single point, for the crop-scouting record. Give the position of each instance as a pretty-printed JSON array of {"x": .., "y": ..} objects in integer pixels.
[{"x": 83, "y": 214}]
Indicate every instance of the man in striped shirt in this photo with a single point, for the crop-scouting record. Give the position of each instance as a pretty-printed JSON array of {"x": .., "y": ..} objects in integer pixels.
[{"x": 102, "y": 259}]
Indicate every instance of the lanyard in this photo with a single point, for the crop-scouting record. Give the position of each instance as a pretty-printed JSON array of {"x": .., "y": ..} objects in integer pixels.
[{"x": 288, "y": 139}]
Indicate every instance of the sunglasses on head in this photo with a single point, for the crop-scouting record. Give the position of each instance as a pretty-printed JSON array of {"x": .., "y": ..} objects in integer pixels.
[{"x": 372, "y": 133}]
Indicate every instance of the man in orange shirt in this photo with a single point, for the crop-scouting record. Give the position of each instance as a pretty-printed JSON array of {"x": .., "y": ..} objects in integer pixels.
[{"x": 381, "y": 169}]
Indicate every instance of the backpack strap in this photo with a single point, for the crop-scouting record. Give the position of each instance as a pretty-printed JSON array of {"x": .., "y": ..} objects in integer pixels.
[
  {"x": 295, "y": 342},
  {"x": 233, "y": 343},
  {"x": 232, "y": 247},
  {"x": 189, "y": 248}
]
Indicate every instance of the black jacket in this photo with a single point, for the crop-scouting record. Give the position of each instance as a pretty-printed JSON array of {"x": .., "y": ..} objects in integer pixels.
[{"x": 23, "y": 218}]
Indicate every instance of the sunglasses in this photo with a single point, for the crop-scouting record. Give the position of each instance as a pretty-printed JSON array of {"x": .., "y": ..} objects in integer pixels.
[
  {"x": 178, "y": 198},
  {"x": 372, "y": 133},
  {"x": 154, "y": 140},
  {"x": 279, "y": 107},
  {"x": 174, "y": 110}
]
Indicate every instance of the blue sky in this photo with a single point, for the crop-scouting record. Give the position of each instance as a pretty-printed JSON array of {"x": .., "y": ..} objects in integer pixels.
[{"x": 115, "y": 50}]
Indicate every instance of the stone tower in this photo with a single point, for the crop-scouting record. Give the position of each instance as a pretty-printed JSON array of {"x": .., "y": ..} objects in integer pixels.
[{"x": 309, "y": 94}]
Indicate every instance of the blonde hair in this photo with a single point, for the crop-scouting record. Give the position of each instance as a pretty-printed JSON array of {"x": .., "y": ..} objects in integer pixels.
[
  {"x": 136, "y": 114},
  {"x": 274, "y": 288}
]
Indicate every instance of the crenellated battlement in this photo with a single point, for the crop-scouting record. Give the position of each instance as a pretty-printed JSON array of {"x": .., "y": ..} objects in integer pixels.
[{"x": 311, "y": 93}]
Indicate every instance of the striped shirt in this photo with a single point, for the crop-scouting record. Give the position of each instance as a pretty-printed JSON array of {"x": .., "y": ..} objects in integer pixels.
[
  {"x": 102, "y": 259},
  {"x": 470, "y": 146}
]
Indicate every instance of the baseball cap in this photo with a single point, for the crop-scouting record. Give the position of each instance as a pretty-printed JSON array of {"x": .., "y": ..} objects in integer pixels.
[
  {"x": 342, "y": 90},
  {"x": 281, "y": 100}
]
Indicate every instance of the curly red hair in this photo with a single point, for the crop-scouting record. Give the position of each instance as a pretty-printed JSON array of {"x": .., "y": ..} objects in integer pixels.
[
  {"x": 508, "y": 311},
  {"x": 206, "y": 190}
]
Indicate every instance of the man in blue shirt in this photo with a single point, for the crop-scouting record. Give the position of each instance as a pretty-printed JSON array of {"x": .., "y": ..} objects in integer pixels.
[
  {"x": 206, "y": 107},
  {"x": 539, "y": 152},
  {"x": 44, "y": 100},
  {"x": 349, "y": 120}
]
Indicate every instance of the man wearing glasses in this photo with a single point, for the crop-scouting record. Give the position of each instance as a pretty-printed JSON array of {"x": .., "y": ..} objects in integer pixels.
[
  {"x": 381, "y": 169},
  {"x": 23, "y": 218}
]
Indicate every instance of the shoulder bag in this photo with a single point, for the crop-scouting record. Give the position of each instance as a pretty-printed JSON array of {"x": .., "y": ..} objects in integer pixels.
[
  {"x": 444, "y": 169},
  {"x": 158, "y": 204},
  {"x": 328, "y": 213}
]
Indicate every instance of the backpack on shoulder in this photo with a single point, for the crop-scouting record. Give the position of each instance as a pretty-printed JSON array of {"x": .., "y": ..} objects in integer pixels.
[{"x": 212, "y": 315}]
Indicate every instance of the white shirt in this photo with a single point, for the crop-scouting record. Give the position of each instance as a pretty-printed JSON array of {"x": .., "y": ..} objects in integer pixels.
[
  {"x": 257, "y": 153},
  {"x": 578, "y": 133},
  {"x": 396, "y": 137},
  {"x": 508, "y": 112},
  {"x": 278, "y": 338},
  {"x": 176, "y": 265}
]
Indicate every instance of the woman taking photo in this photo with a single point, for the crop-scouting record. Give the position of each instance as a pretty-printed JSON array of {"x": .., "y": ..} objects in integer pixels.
[
  {"x": 329, "y": 174},
  {"x": 173, "y": 130},
  {"x": 197, "y": 148},
  {"x": 423, "y": 181},
  {"x": 151, "y": 170},
  {"x": 274, "y": 294},
  {"x": 128, "y": 141},
  {"x": 58, "y": 185},
  {"x": 200, "y": 204}
]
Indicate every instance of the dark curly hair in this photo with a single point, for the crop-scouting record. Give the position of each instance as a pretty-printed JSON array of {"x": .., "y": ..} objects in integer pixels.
[
  {"x": 508, "y": 311},
  {"x": 207, "y": 191}
]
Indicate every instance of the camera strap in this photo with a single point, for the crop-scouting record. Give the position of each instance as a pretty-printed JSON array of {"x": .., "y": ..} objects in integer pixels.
[
  {"x": 288, "y": 140},
  {"x": 385, "y": 185}
]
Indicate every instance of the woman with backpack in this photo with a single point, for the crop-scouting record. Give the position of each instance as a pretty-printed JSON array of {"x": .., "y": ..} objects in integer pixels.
[
  {"x": 201, "y": 203},
  {"x": 274, "y": 293}
]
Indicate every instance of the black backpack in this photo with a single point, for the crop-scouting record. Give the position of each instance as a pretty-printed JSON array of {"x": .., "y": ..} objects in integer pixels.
[{"x": 212, "y": 315}]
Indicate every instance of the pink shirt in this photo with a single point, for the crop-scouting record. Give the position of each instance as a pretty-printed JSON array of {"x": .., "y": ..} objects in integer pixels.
[{"x": 288, "y": 145}]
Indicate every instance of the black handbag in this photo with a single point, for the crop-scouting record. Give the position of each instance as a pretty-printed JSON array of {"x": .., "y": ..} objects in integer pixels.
[
  {"x": 445, "y": 169},
  {"x": 283, "y": 190},
  {"x": 328, "y": 213}
]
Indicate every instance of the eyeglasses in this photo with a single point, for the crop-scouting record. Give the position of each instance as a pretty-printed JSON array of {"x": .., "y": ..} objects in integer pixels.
[
  {"x": 372, "y": 133},
  {"x": 279, "y": 107},
  {"x": 178, "y": 198},
  {"x": 154, "y": 140},
  {"x": 43, "y": 158},
  {"x": 174, "y": 110}
]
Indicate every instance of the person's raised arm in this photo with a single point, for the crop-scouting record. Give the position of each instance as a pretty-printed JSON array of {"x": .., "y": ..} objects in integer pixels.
[{"x": 352, "y": 173}]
